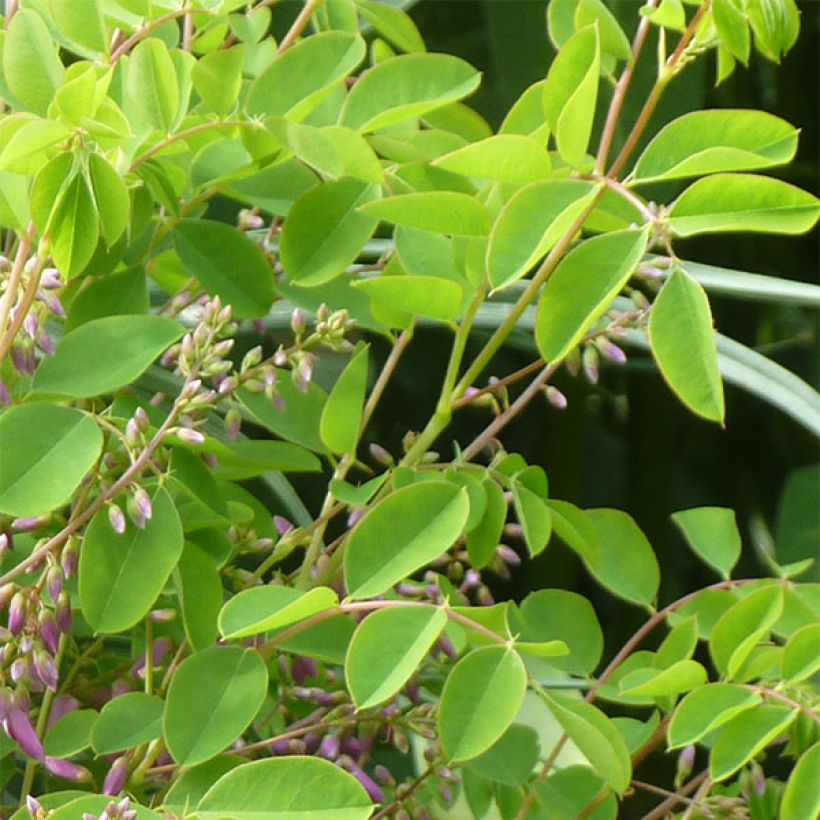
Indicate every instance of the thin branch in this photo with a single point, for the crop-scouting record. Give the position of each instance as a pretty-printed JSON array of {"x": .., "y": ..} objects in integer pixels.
[
  {"x": 772, "y": 694},
  {"x": 22, "y": 309},
  {"x": 389, "y": 809},
  {"x": 143, "y": 32},
  {"x": 396, "y": 353},
  {"x": 298, "y": 26},
  {"x": 12, "y": 286},
  {"x": 663, "y": 809},
  {"x": 617, "y": 102}
]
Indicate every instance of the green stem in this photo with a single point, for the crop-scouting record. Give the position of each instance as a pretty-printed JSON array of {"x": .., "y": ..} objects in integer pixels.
[{"x": 149, "y": 655}]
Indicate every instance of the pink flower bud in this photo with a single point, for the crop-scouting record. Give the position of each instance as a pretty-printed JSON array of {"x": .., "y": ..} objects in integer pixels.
[
  {"x": 611, "y": 351},
  {"x": 590, "y": 364},
  {"x": 63, "y": 612},
  {"x": 297, "y": 321},
  {"x": 283, "y": 526},
  {"x": 46, "y": 344},
  {"x": 117, "y": 776},
  {"x": 116, "y": 518},
  {"x": 46, "y": 669},
  {"x": 370, "y": 786},
  {"x": 355, "y": 516},
  {"x": 68, "y": 770},
  {"x": 556, "y": 398},
  {"x": 381, "y": 455},
  {"x": 132, "y": 432},
  {"x": 190, "y": 436},
  {"x": 54, "y": 582},
  {"x": 142, "y": 501},
  {"x": 70, "y": 557},
  {"x": 28, "y": 524},
  {"x": 303, "y": 668},
  {"x": 17, "y": 613},
  {"x": 329, "y": 747},
  {"x": 49, "y": 631},
  {"x": 34, "y": 807},
  {"x": 60, "y": 707}
]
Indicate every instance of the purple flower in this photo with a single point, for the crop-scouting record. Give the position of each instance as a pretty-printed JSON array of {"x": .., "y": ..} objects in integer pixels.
[
  {"x": 355, "y": 516},
  {"x": 50, "y": 279},
  {"x": 70, "y": 557},
  {"x": 190, "y": 436},
  {"x": 19, "y": 728},
  {"x": 117, "y": 776},
  {"x": 68, "y": 770},
  {"x": 159, "y": 650},
  {"x": 49, "y": 631},
  {"x": 371, "y": 787},
  {"x": 612, "y": 351},
  {"x": 28, "y": 524},
  {"x": 329, "y": 748},
  {"x": 60, "y": 707},
  {"x": 556, "y": 398},
  {"x": 46, "y": 669},
  {"x": 303, "y": 668},
  {"x": 283, "y": 526},
  {"x": 34, "y": 807},
  {"x": 54, "y": 582}
]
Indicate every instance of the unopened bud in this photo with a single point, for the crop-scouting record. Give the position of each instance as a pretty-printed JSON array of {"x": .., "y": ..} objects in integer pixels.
[
  {"x": 63, "y": 612},
  {"x": 252, "y": 358},
  {"x": 28, "y": 524},
  {"x": 54, "y": 582},
  {"x": 381, "y": 455},
  {"x": 17, "y": 613},
  {"x": 590, "y": 363},
  {"x": 116, "y": 518},
  {"x": 49, "y": 631},
  {"x": 611, "y": 351},
  {"x": 556, "y": 398},
  {"x": 142, "y": 502},
  {"x": 68, "y": 770},
  {"x": 283, "y": 526},
  {"x": 46, "y": 669},
  {"x": 117, "y": 776},
  {"x": 69, "y": 557},
  {"x": 190, "y": 436}
]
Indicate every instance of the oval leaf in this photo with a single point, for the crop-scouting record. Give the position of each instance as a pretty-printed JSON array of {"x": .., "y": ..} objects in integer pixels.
[
  {"x": 401, "y": 534},
  {"x": 802, "y": 797},
  {"x": 581, "y": 288},
  {"x": 46, "y": 452},
  {"x": 199, "y": 589},
  {"x": 705, "y": 142},
  {"x": 534, "y": 219},
  {"x": 376, "y": 669},
  {"x": 213, "y": 697},
  {"x": 261, "y": 609},
  {"x": 712, "y": 533},
  {"x": 126, "y": 722},
  {"x": 679, "y": 677},
  {"x": 683, "y": 343},
  {"x": 480, "y": 699},
  {"x": 706, "y": 708},
  {"x": 429, "y": 296},
  {"x": 342, "y": 414},
  {"x": 227, "y": 263},
  {"x": 105, "y": 354},
  {"x": 405, "y": 87},
  {"x": 282, "y": 788},
  {"x": 726, "y": 203},
  {"x": 325, "y": 230},
  {"x": 503, "y": 158},
  {"x": 122, "y": 575},
  {"x": 436, "y": 211}
]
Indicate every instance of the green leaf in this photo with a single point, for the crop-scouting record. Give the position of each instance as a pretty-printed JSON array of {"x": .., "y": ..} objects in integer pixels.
[
  {"x": 127, "y": 721},
  {"x": 110, "y": 197},
  {"x": 189, "y": 474},
  {"x": 526, "y": 115},
  {"x": 683, "y": 344},
  {"x": 81, "y": 21},
  {"x": 679, "y": 644},
  {"x": 705, "y": 709},
  {"x": 299, "y": 421},
  {"x": 483, "y": 539},
  {"x": 406, "y": 87},
  {"x": 199, "y": 589},
  {"x": 116, "y": 294},
  {"x": 326, "y": 641},
  {"x": 24, "y": 153},
  {"x": 393, "y": 24},
  {"x": 47, "y": 189},
  {"x": 121, "y": 576},
  {"x": 46, "y": 452},
  {"x": 213, "y": 697},
  {"x": 356, "y": 496},
  {"x": 445, "y": 212},
  {"x": 74, "y": 227},
  {"x": 705, "y": 142},
  {"x": 375, "y": 668},
  {"x": 776, "y": 24},
  {"x": 429, "y": 296},
  {"x": 557, "y": 614},
  {"x": 14, "y": 201},
  {"x": 681, "y": 676},
  {"x": 402, "y": 533},
  {"x": 571, "y": 93},
  {"x": 582, "y": 287},
  {"x": 801, "y": 658},
  {"x": 342, "y": 413},
  {"x": 530, "y": 224},
  {"x": 95, "y": 804},
  {"x": 626, "y": 565},
  {"x": 801, "y": 799},
  {"x": 613, "y": 40},
  {"x": 226, "y": 262},
  {"x": 248, "y": 458},
  {"x": 572, "y": 525},
  {"x": 712, "y": 534},
  {"x": 152, "y": 84},
  {"x": 31, "y": 68},
  {"x": 325, "y": 230},
  {"x": 262, "y": 609},
  {"x": 190, "y": 787},
  {"x": 105, "y": 354},
  {"x": 512, "y": 758},
  {"x": 217, "y": 78},
  {"x": 595, "y": 736},
  {"x": 757, "y": 611},
  {"x": 565, "y": 794},
  {"x": 733, "y": 28},
  {"x": 358, "y": 159},
  {"x": 534, "y": 516},
  {"x": 297, "y": 81},
  {"x": 503, "y": 158},
  {"x": 287, "y": 788},
  {"x": 670, "y": 14},
  {"x": 746, "y": 735},
  {"x": 725, "y": 203},
  {"x": 70, "y": 734},
  {"x": 480, "y": 699}
]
